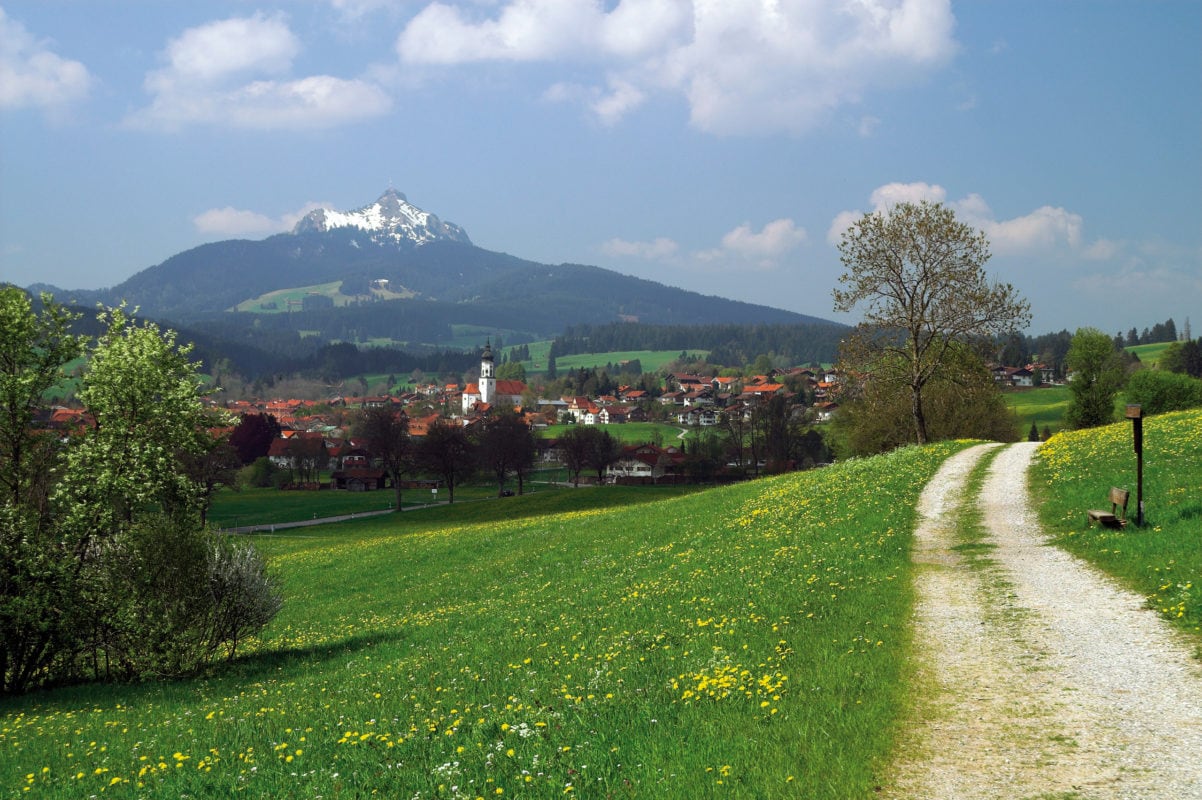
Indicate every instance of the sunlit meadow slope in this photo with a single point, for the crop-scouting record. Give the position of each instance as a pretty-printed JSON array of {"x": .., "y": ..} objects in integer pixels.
[
  {"x": 1161, "y": 560},
  {"x": 746, "y": 642}
]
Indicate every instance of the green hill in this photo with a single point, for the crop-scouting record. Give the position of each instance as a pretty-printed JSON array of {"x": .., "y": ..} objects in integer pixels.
[{"x": 599, "y": 641}]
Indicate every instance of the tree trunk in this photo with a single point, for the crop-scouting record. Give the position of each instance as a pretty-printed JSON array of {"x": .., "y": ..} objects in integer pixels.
[{"x": 920, "y": 420}]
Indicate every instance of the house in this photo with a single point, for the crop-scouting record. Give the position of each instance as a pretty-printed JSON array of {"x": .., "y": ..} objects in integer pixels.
[
  {"x": 703, "y": 416},
  {"x": 644, "y": 463},
  {"x": 359, "y": 479},
  {"x": 825, "y": 411}
]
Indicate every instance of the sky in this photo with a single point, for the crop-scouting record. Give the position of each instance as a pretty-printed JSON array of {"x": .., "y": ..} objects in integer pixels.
[{"x": 721, "y": 146}]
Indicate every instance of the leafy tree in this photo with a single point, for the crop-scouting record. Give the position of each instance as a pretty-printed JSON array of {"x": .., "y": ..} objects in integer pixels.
[
  {"x": 253, "y": 435},
  {"x": 143, "y": 396},
  {"x": 1097, "y": 377},
  {"x": 574, "y": 444},
  {"x": 216, "y": 464},
  {"x": 919, "y": 275},
  {"x": 511, "y": 371},
  {"x": 604, "y": 450},
  {"x": 964, "y": 402},
  {"x": 68, "y": 608},
  {"x": 34, "y": 349},
  {"x": 447, "y": 452},
  {"x": 504, "y": 445},
  {"x": 387, "y": 435}
]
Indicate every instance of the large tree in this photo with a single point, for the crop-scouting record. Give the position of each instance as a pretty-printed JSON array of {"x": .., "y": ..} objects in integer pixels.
[
  {"x": 447, "y": 452},
  {"x": 253, "y": 435},
  {"x": 504, "y": 446},
  {"x": 873, "y": 417},
  {"x": 918, "y": 276},
  {"x": 387, "y": 434},
  {"x": 34, "y": 350},
  {"x": 1097, "y": 376}
]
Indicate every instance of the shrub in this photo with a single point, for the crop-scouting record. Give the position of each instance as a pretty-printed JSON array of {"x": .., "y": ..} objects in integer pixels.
[
  {"x": 1157, "y": 391},
  {"x": 174, "y": 597}
]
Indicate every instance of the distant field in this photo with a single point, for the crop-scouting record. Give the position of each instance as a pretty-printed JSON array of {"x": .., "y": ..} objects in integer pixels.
[
  {"x": 285, "y": 299},
  {"x": 1149, "y": 354},
  {"x": 629, "y": 433},
  {"x": 1045, "y": 405}
]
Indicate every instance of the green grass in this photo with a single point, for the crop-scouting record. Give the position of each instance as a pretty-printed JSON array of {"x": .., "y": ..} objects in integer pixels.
[
  {"x": 1162, "y": 560},
  {"x": 628, "y": 433},
  {"x": 261, "y": 506},
  {"x": 296, "y": 294},
  {"x": 747, "y": 641},
  {"x": 1045, "y": 406},
  {"x": 1149, "y": 354}
]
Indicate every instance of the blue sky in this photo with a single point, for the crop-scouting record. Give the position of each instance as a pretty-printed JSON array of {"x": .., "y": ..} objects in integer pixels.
[{"x": 716, "y": 145}]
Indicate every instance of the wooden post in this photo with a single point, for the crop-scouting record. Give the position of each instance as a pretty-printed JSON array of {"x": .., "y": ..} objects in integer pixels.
[{"x": 1136, "y": 414}]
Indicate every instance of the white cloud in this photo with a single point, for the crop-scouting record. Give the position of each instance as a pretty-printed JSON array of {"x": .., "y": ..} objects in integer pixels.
[
  {"x": 882, "y": 199},
  {"x": 235, "y": 72},
  {"x": 868, "y": 126},
  {"x": 1043, "y": 230},
  {"x": 763, "y": 248},
  {"x": 660, "y": 249},
  {"x": 230, "y": 221},
  {"x": 742, "y": 246},
  {"x": 745, "y": 66},
  {"x": 31, "y": 74}
]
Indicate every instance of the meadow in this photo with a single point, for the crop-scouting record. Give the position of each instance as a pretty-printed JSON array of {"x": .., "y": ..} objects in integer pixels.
[
  {"x": 1161, "y": 560},
  {"x": 1045, "y": 406},
  {"x": 747, "y": 641}
]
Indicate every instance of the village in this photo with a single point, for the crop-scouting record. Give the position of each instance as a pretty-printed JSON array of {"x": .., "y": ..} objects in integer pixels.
[{"x": 316, "y": 446}]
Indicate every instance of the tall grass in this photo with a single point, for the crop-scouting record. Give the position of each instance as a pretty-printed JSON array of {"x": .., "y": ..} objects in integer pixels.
[
  {"x": 1161, "y": 560},
  {"x": 747, "y": 641}
]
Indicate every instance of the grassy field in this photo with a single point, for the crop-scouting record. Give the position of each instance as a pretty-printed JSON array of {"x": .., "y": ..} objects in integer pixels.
[
  {"x": 1149, "y": 354},
  {"x": 1045, "y": 406},
  {"x": 748, "y": 641},
  {"x": 1162, "y": 560},
  {"x": 261, "y": 506},
  {"x": 628, "y": 433},
  {"x": 282, "y": 298}
]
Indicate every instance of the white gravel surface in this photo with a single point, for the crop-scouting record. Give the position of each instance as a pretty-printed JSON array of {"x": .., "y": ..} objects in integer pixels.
[{"x": 1041, "y": 677}]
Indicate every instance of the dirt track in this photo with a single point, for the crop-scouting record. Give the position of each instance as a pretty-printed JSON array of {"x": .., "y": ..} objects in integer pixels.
[{"x": 1041, "y": 677}]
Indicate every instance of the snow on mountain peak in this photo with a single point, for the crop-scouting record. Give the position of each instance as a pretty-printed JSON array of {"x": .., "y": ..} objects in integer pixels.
[{"x": 391, "y": 218}]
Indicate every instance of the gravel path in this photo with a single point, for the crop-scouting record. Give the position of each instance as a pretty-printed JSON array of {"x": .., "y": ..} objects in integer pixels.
[{"x": 1041, "y": 678}]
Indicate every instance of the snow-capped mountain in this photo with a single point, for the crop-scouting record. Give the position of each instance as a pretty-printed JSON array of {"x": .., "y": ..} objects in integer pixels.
[{"x": 392, "y": 218}]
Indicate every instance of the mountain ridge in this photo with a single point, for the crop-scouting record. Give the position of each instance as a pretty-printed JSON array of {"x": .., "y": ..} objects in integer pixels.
[{"x": 450, "y": 281}]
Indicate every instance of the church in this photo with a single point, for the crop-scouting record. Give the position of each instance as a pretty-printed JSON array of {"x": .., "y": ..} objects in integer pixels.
[{"x": 489, "y": 391}]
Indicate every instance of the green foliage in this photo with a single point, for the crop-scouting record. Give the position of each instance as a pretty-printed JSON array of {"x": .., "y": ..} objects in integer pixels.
[
  {"x": 1157, "y": 392},
  {"x": 964, "y": 402},
  {"x": 107, "y": 571},
  {"x": 263, "y": 473},
  {"x": 1097, "y": 378},
  {"x": 34, "y": 348},
  {"x": 175, "y": 596}
]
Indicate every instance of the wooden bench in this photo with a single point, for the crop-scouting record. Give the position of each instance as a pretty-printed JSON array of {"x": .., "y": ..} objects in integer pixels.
[{"x": 1116, "y": 517}]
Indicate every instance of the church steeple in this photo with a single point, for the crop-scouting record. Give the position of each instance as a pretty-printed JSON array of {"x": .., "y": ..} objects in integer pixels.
[{"x": 488, "y": 381}]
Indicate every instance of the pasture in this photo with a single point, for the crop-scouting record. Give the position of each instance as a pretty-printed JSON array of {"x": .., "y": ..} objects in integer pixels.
[{"x": 747, "y": 641}]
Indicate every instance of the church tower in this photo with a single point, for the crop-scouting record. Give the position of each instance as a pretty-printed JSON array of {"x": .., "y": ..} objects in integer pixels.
[{"x": 488, "y": 379}]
